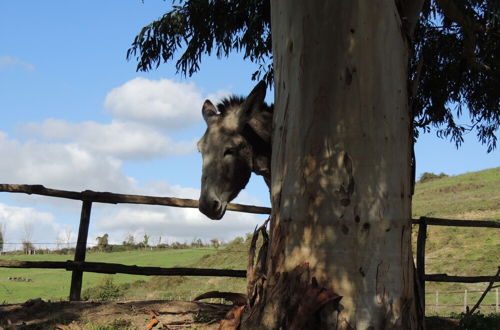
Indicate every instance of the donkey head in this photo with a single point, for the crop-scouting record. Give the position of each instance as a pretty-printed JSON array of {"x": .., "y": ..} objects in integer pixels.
[{"x": 227, "y": 154}]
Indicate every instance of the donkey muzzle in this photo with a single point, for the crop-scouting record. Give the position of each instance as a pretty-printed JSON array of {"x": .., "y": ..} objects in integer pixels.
[{"x": 212, "y": 207}]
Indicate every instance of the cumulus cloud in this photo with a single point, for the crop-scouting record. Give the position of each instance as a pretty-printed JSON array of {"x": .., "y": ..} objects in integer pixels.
[
  {"x": 8, "y": 61},
  {"x": 175, "y": 224},
  {"x": 26, "y": 223},
  {"x": 172, "y": 223},
  {"x": 121, "y": 139},
  {"x": 63, "y": 166},
  {"x": 156, "y": 102},
  {"x": 164, "y": 103}
]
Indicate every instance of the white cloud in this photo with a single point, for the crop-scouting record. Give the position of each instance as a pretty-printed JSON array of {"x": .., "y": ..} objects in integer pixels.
[
  {"x": 62, "y": 166},
  {"x": 172, "y": 223},
  {"x": 121, "y": 139},
  {"x": 7, "y": 61},
  {"x": 162, "y": 102},
  {"x": 26, "y": 223},
  {"x": 176, "y": 224}
]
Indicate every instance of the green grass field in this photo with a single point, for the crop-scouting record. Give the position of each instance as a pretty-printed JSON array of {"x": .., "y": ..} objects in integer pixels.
[
  {"x": 451, "y": 250},
  {"x": 54, "y": 284}
]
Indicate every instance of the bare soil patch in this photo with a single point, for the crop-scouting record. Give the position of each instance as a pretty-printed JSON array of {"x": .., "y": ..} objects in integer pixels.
[
  {"x": 38, "y": 314},
  {"x": 154, "y": 314}
]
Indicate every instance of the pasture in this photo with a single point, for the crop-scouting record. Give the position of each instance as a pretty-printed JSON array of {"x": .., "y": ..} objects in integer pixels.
[{"x": 53, "y": 284}]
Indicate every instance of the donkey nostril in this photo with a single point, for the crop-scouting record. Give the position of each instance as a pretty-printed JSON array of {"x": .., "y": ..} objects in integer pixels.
[{"x": 215, "y": 205}]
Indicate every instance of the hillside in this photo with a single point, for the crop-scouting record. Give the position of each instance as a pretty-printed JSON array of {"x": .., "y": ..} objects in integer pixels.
[{"x": 459, "y": 250}]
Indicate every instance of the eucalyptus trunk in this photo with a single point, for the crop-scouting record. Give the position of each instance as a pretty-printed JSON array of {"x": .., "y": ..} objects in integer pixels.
[{"x": 341, "y": 181}]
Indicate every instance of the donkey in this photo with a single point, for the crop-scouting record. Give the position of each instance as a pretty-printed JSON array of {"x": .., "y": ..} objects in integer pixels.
[{"x": 236, "y": 143}]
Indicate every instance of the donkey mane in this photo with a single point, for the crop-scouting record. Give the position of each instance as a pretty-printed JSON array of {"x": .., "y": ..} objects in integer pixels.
[{"x": 229, "y": 103}]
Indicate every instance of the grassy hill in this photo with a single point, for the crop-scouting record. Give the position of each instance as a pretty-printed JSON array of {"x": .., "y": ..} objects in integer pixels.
[{"x": 459, "y": 250}]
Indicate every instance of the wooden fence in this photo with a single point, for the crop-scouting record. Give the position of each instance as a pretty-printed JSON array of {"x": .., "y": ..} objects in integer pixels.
[
  {"x": 79, "y": 265},
  {"x": 423, "y": 222}
]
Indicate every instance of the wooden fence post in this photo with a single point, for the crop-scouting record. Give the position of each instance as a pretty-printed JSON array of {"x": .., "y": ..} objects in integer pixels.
[
  {"x": 421, "y": 238},
  {"x": 81, "y": 248}
]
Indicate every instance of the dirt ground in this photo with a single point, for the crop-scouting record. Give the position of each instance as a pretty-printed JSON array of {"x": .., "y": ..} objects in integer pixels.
[{"x": 38, "y": 314}]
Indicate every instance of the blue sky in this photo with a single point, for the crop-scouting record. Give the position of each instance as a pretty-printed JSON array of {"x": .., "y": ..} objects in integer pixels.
[{"x": 76, "y": 115}]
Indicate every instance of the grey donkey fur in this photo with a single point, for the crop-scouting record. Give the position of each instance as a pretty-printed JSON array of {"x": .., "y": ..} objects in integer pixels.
[{"x": 236, "y": 143}]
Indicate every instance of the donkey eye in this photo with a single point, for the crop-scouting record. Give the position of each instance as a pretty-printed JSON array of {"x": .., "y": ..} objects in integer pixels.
[{"x": 230, "y": 151}]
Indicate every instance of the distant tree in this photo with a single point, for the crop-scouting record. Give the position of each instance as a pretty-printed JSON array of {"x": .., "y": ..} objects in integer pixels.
[
  {"x": 3, "y": 230},
  {"x": 429, "y": 176},
  {"x": 215, "y": 243},
  {"x": 58, "y": 241},
  {"x": 67, "y": 236},
  {"x": 145, "y": 241},
  {"x": 102, "y": 242},
  {"x": 129, "y": 240},
  {"x": 28, "y": 247},
  {"x": 1, "y": 241},
  {"x": 197, "y": 242}
]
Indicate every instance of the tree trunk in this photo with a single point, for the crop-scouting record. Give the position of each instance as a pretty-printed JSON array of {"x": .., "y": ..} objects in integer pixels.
[{"x": 341, "y": 193}]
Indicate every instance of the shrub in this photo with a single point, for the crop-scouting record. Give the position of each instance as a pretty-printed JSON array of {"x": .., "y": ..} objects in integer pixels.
[
  {"x": 478, "y": 321},
  {"x": 105, "y": 290},
  {"x": 429, "y": 176}
]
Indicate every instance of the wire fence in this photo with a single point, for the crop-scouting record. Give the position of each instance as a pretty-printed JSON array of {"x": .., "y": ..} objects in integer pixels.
[{"x": 449, "y": 302}]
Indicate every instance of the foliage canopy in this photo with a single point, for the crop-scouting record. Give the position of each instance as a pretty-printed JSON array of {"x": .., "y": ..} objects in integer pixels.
[{"x": 454, "y": 63}]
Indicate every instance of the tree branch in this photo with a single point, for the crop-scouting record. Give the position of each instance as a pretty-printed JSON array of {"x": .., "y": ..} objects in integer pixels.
[
  {"x": 476, "y": 306},
  {"x": 409, "y": 10},
  {"x": 468, "y": 27}
]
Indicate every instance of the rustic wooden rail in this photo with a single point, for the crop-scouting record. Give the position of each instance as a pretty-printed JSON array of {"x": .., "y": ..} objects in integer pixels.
[
  {"x": 111, "y": 268},
  {"x": 112, "y": 198}
]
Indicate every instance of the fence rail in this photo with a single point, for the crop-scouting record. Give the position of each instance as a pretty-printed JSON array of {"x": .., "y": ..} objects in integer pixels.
[
  {"x": 79, "y": 265},
  {"x": 112, "y": 268},
  {"x": 113, "y": 198}
]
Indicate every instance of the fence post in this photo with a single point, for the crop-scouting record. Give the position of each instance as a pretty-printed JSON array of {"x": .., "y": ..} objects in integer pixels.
[
  {"x": 81, "y": 248},
  {"x": 421, "y": 238}
]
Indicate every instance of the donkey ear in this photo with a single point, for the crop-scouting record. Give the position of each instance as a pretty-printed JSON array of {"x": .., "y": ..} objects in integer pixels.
[
  {"x": 208, "y": 111},
  {"x": 253, "y": 103}
]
